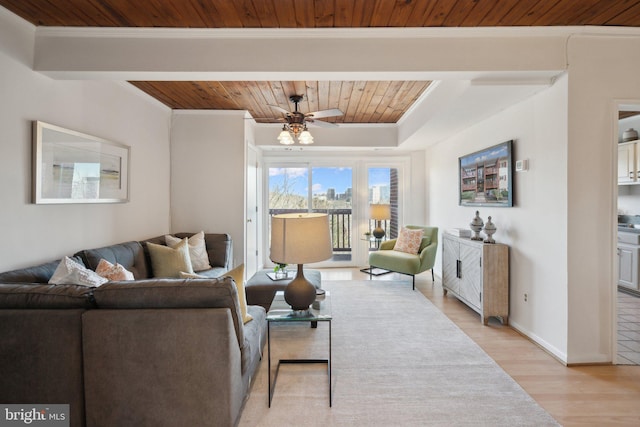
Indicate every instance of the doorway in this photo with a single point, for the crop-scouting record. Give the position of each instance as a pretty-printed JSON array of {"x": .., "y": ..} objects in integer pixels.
[
  {"x": 628, "y": 237},
  {"x": 323, "y": 189}
]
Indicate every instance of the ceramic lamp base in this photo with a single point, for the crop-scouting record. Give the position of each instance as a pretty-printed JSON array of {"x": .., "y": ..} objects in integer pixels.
[
  {"x": 300, "y": 293},
  {"x": 378, "y": 233}
]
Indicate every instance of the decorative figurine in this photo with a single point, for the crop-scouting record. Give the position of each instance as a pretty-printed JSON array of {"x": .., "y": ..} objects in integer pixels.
[
  {"x": 476, "y": 225},
  {"x": 489, "y": 229}
]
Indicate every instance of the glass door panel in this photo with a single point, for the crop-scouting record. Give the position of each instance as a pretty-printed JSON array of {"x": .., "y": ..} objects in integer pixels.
[
  {"x": 288, "y": 190},
  {"x": 383, "y": 190},
  {"x": 331, "y": 189}
]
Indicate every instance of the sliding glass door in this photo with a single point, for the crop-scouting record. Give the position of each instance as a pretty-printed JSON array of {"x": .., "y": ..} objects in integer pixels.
[{"x": 344, "y": 189}]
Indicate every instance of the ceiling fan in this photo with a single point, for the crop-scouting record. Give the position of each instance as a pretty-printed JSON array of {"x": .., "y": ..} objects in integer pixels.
[{"x": 296, "y": 122}]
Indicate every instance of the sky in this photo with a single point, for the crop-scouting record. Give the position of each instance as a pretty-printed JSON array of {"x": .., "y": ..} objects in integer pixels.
[
  {"x": 339, "y": 178},
  {"x": 500, "y": 150}
]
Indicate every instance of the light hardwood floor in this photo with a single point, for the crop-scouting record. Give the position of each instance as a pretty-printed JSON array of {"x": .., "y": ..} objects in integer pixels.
[{"x": 574, "y": 396}]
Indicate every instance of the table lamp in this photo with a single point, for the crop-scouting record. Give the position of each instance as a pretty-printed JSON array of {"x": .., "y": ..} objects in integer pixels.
[
  {"x": 300, "y": 238},
  {"x": 380, "y": 212}
]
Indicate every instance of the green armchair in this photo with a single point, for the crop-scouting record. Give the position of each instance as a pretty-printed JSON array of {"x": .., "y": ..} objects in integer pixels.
[{"x": 400, "y": 262}]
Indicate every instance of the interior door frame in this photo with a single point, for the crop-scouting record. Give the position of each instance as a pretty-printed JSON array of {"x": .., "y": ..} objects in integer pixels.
[
  {"x": 616, "y": 108},
  {"x": 360, "y": 166}
]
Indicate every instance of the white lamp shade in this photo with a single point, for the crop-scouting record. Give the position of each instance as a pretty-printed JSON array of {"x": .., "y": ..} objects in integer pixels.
[
  {"x": 380, "y": 212},
  {"x": 305, "y": 138},
  {"x": 285, "y": 138},
  {"x": 300, "y": 238}
]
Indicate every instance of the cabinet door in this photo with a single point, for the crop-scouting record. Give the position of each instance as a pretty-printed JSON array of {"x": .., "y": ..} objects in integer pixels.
[
  {"x": 628, "y": 266},
  {"x": 450, "y": 249},
  {"x": 626, "y": 163},
  {"x": 471, "y": 274}
]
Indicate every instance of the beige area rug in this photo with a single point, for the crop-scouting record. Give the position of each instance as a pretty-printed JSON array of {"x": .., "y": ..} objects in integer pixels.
[{"x": 397, "y": 361}]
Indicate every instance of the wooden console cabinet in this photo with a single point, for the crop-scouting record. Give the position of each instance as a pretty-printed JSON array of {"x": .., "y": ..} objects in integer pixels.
[{"x": 477, "y": 274}]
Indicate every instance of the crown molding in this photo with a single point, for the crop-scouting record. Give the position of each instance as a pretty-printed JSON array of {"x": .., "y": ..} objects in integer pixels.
[{"x": 332, "y": 33}]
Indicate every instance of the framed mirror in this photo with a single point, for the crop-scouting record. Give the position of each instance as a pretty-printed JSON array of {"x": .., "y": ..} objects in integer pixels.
[{"x": 72, "y": 167}]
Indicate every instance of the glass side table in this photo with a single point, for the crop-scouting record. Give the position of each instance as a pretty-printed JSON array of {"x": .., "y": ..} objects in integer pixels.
[
  {"x": 280, "y": 311},
  {"x": 374, "y": 271}
]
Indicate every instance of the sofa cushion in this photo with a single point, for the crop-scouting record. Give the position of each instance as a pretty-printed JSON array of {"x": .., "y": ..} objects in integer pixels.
[
  {"x": 41, "y": 360},
  {"x": 170, "y": 262},
  {"x": 254, "y": 338},
  {"x": 70, "y": 272},
  {"x": 37, "y": 296},
  {"x": 197, "y": 250},
  {"x": 173, "y": 293},
  {"x": 36, "y": 274},
  {"x": 129, "y": 254}
]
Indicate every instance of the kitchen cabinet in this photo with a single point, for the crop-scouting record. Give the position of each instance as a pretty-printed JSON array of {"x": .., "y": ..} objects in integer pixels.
[
  {"x": 628, "y": 256},
  {"x": 477, "y": 274},
  {"x": 629, "y": 162}
]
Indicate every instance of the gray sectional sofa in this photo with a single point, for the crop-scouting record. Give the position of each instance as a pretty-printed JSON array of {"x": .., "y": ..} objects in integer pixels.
[{"x": 148, "y": 352}]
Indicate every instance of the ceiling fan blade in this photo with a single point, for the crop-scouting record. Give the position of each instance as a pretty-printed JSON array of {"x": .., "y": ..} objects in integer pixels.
[
  {"x": 325, "y": 113},
  {"x": 282, "y": 110},
  {"x": 270, "y": 120},
  {"x": 320, "y": 123}
]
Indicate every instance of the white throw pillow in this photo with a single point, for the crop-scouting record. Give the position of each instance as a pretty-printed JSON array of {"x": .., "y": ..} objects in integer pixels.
[
  {"x": 197, "y": 250},
  {"x": 70, "y": 272}
]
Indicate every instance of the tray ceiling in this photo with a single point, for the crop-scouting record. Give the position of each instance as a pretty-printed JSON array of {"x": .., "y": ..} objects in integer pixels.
[{"x": 361, "y": 101}]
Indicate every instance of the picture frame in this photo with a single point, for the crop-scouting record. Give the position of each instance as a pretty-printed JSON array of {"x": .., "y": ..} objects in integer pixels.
[
  {"x": 485, "y": 177},
  {"x": 73, "y": 167}
]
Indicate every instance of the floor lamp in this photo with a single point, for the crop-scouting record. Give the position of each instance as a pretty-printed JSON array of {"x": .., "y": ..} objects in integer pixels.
[{"x": 300, "y": 239}]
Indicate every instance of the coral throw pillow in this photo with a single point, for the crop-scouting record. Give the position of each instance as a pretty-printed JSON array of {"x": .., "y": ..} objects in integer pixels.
[
  {"x": 409, "y": 240},
  {"x": 113, "y": 272}
]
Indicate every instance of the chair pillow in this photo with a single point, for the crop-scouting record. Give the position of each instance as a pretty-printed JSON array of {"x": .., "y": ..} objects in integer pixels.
[
  {"x": 169, "y": 262},
  {"x": 197, "y": 250},
  {"x": 409, "y": 240}
]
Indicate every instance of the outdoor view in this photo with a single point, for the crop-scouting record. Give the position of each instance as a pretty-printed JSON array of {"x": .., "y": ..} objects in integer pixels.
[{"x": 329, "y": 190}]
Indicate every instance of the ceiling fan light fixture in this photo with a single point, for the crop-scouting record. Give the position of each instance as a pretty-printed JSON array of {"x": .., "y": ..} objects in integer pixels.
[
  {"x": 305, "y": 138},
  {"x": 296, "y": 126},
  {"x": 285, "y": 137}
]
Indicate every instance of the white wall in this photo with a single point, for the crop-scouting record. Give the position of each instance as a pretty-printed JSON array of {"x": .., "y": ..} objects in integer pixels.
[
  {"x": 208, "y": 174},
  {"x": 602, "y": 70},
  {"x": 111, "y": 110},
  {"x": 535, "y": 228}
]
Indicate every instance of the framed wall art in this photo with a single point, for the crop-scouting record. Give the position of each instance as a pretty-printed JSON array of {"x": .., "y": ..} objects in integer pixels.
[
  {"x": 486, "y": 177},
  {"x": 72, "y": 167}
]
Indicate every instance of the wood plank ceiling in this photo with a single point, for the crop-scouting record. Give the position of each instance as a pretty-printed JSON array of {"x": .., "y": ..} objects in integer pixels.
[{"x": 361, "y": 101}]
